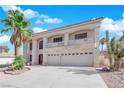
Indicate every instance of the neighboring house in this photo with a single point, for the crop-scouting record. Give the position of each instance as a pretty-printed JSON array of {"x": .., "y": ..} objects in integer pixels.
[
  {"x": 73, "y": 45},
  {"x": 6, "y": 58}
]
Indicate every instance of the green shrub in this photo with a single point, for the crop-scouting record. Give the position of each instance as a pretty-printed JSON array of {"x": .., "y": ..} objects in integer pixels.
[{"x": 19, "y": 63}]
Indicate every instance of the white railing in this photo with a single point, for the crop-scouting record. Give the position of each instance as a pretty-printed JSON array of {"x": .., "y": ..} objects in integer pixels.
[
  {"x": 81, "y": 41},
  {"x": 57, "y": 44},
  {"x": 70, "y": 43}
]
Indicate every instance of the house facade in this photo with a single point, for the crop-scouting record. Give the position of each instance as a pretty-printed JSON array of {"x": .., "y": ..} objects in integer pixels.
[{"x": 73, "y": 45}]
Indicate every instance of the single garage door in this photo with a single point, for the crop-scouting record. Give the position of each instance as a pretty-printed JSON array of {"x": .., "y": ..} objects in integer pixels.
[
  {"x": 71, "y": 60},
  {"x": 77, "y": 60}
]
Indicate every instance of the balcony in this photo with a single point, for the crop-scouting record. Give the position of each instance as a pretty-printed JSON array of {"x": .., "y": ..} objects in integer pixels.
[
  {"x": 81, "y": 41},
  {"x": 57, "y": 44}
]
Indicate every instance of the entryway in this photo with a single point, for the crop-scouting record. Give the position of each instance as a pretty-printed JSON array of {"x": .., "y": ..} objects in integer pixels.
[{"x": 40, "y": 59}]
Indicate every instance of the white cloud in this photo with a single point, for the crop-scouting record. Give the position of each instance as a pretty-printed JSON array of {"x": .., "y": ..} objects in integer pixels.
[
  {"x": 4, "y": 38},
  {"x": 30, "y": 13},
  {"x": 37, "y": 29},
  {"x": 112, "y": 25},
  {"x": 44, "y": 16},
  {"x": 123, "y": 15},
  {"x": 48, "y": 19},
  {"x": 10, "y": 7},
  {"x": 53, "y": 20},
  {"x": 38, "y": 21}
]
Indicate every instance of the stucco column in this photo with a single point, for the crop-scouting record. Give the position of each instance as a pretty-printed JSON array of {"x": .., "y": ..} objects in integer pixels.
[
  {"x": 34, "y": 52},
  {"x": 45, "y": 40},
  {"x": 66, "y": 39},
  {"x": 96, "y": 47},
  {"x": 25, "y": 52}
]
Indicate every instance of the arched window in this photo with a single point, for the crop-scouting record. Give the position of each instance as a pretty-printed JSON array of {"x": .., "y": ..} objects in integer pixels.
[{"x": 41, "y": 45}]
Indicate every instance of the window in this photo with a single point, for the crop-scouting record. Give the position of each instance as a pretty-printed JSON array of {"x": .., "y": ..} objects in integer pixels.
[
  {"x": 30, "y": 46},
  {"x": 81, "y": 53},
  {"x": 41, "y": 45},
  {"x": 58, "y": 39},
  {"x": 62, "y": 54},
  {"x": 86, "y": 53},
  {"x": 65, "y": 54},
  {"x": 91, "y": 53},
  {"x": 80, "y": 36},
  {"x": 77, "y": 53},
  {"x": 30, "y": 57},
  {"x": 73, "y": 54}
]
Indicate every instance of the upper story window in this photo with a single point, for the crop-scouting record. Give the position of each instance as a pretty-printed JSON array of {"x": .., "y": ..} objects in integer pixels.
[
  {"x": 58, "y": 39},
  {"x": 80, "y": 36},
  {"x": 31, "y": 46},
  {"x": 41, "y": 45}
]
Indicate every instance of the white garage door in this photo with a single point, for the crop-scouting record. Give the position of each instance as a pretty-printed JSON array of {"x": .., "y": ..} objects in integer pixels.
[
  {"x": 77, "y": 60},
  {"x": 71, "y": 60}
]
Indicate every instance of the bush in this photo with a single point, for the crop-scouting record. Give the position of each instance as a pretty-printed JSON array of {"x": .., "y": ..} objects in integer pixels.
[{"x": 19, "y": 63}]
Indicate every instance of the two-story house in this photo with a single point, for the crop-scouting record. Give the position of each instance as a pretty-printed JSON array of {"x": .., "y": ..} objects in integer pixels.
[{"x": 72, "y": 45}]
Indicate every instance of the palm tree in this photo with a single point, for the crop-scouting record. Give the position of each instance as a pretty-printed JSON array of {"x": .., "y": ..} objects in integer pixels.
[
  {"x": 102, "y": 42},
  {"x": 16, "y": 22}
]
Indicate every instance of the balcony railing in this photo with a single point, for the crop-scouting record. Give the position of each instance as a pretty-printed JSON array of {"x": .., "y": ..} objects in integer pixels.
[
  {"x": 58, "y": 44},
  {"x": 70, "y": 43},
  {"x": 81, "y": 41}
]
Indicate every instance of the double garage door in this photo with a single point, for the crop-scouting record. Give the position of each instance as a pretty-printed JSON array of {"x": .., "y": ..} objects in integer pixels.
[{"x": 70, "y": 60}]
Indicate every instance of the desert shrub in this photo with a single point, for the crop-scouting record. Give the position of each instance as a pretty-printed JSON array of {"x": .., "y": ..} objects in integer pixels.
[{"x": 19, "y": 63}]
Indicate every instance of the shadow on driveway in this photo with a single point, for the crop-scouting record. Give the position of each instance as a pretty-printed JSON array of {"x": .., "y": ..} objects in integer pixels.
[{"x": 82, "y": 70}]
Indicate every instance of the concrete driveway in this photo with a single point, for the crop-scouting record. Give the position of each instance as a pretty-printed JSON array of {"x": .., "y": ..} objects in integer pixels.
[{"x": 55, "y": 77}]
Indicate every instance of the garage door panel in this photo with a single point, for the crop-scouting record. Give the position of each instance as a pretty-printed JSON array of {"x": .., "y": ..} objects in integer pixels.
[{"x": 53, "y": 60}]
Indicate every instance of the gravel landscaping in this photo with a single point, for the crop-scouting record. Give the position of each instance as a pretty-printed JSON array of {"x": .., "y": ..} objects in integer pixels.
[{"x": 113, "y": 79}]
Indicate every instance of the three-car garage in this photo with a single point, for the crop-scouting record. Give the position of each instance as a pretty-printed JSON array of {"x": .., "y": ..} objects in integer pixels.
[{"x": 71, "y": 59}]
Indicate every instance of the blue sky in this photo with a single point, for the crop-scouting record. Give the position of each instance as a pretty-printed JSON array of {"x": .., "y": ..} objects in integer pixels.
[{"x": 45, "y": 17}]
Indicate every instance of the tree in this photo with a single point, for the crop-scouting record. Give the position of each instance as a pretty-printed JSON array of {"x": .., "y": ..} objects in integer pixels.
[
  {"x": 16, "y": 22},
  {"x": 111, "y": 59},
  {"x": 6, "y": 49},
  {"x": 102, "y": 42},
  {"x": 115, "y": 49}
]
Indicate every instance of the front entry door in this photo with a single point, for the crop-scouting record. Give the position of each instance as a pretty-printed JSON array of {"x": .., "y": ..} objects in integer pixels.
[{"x": 40, "y": 58}]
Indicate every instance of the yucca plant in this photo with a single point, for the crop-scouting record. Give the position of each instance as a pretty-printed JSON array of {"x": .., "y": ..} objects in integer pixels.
[
  {"x": 102, "y": 42},
  {"x": 115, "y": 49}
]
